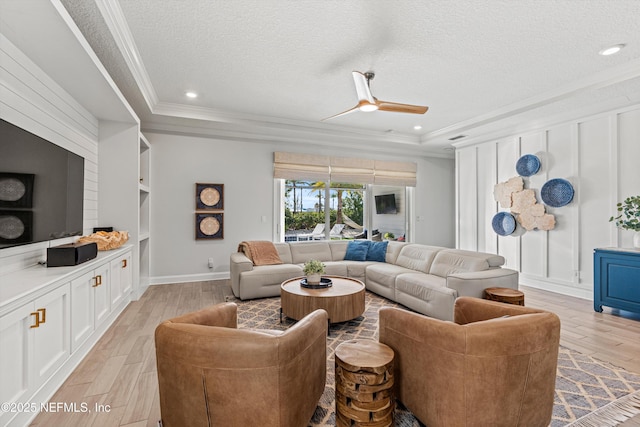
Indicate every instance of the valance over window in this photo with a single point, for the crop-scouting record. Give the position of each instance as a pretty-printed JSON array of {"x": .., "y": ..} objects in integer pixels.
[{"x": 297, "y": 166}]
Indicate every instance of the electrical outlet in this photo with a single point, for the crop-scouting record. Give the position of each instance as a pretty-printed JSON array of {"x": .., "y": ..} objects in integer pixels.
[{"x": 210, "y": 262}]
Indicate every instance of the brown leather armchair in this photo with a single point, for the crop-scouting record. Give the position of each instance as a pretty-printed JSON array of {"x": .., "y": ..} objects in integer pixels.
[
  {"x": 495, "y": 365},
  {"x": 211, "y": 373}
]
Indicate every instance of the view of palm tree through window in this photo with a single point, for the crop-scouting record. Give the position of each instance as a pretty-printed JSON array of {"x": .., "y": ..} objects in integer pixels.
[{"x": 306, "y": 204}]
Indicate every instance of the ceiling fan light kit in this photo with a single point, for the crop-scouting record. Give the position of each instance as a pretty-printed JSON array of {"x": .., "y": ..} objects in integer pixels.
[{"x": 367, "y": 102}]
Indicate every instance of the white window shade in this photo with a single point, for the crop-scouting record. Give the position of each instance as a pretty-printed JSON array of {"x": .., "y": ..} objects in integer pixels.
[
  {"x": 301, "y": 166},
  {"x": 355, "y": 170},
  {"x": 352, "y": 170},
  {"x": 395, "y": 173}
]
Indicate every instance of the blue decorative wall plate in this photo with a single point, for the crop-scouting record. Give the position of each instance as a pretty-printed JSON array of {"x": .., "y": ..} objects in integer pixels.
[
  {"x": 503, "y": 223},
  {"x": 557, "y": 192},
  {"x": 528, "y": 165}
]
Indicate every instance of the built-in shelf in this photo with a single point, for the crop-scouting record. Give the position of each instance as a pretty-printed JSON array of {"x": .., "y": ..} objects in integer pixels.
[{"x": 144, "y": 188}]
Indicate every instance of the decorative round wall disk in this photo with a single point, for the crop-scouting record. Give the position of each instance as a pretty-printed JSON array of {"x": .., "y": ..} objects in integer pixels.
[
  {"x": 503, "y": 223},
  {"x": 209, "y": 226},
  {"x": 210, "y": 196},
  {"x": 556, "y": 192},
  {"x": 11, "y": 189},
  {"x": 528, "y": 165},
  {"x": 11, "y": 227}
]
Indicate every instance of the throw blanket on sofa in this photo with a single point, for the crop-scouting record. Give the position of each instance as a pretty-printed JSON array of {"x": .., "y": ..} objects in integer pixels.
[{"x": 260, "y": 252}]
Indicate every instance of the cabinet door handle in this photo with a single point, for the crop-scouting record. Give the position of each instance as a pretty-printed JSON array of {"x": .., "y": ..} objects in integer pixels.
[
  {"x": 97, "y": 281},
  {"x": 39, "y": 319},
  {"x": 37, "y": 315},
  {"x": 124, "y": 263}
]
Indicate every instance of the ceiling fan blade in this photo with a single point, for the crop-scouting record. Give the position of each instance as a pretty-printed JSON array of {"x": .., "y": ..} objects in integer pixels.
[
  {"x": 356, "y": 108},
  {"x": 401, "y": 108},
  {"x": 362, "y": 87}
]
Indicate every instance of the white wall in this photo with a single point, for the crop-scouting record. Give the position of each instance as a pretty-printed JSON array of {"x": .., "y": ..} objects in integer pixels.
[
  {"x": 246, "y": 170},
  {"x": 598, "y": 155}
]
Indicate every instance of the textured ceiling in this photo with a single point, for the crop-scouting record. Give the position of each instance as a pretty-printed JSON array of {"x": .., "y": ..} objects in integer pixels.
[{"x": 270, "y": 66}]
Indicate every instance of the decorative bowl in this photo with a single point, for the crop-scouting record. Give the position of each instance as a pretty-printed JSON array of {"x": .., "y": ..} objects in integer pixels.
[
  {"x": 557, "y": 192},
  {"x": 528, "y": 165},
  {"x": 503, "y": 223}
]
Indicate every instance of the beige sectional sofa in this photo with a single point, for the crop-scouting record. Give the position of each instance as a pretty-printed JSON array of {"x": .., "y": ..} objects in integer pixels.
[{"x": 424, "y": 278}]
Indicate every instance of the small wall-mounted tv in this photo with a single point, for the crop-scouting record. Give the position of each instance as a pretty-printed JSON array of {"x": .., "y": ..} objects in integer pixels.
[
  {"x": 41, "y": 189},
  {"x": 386, "y": 204}
]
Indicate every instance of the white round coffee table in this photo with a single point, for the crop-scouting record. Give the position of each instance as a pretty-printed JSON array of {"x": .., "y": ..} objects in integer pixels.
[{"x": 343, "y": 301}]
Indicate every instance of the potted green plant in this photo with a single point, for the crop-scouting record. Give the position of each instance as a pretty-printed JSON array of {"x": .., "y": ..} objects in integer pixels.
[
  {"x": 314, "y": 270},
  {"x": 389, "y": 236},
  {"x": 629, "y": 217}
]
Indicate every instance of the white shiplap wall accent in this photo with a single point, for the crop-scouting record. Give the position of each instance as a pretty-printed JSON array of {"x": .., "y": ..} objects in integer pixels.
[
  {"x": 598, "y": 155},
  {"x": 32, "y": 101}
]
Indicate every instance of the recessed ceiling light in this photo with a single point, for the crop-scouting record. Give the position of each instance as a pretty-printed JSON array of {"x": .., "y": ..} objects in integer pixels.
[
  {"x": 191, "y": 94},
  {"x": 611, "y": 50},
  {"x": 417, "y": 127}
]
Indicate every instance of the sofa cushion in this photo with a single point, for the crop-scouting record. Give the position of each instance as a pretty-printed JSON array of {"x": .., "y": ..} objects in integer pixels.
[
  {"x": 452, "y": 261},
  {"x": 393, "y": 249},
  {"x": 302, "y": 252},
  {"x": 384, "y": 274},
  {"x": 357, "y": 250},
  {"x": 284, "y": 251},
  {"x": 335, "y": 268},
  {"x": 421, "y": 285},
  {"x": 265, "y": 275},
  {"x": 356, "y": 269},
  {"x": 377, "y": 251},
  {"x": 338, "y": 249},
  {"x": 417, "y": 257}
]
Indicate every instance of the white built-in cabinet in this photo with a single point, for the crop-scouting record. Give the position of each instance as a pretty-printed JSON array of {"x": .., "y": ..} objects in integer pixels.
[
  {"x": 121, "y": 278},
  {"x": 51, "y": 317},
  {"x": 47, "y": 329},
  {"x": 34, "y": 343}
]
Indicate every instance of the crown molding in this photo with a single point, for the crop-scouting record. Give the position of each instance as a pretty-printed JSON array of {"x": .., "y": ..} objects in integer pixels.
[
  {"x": 609, "y": 77},
  {"x": 117, "y": 24},
  {"x": 294, "y": 137},
  {"x": 615, "y": 106},
  {"x": 275, "y": 126}
]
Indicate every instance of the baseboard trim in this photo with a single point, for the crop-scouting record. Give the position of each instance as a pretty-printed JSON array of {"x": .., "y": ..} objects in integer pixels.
[
  {"x": 163, "y": 280},
  {"x": 557, "y": 288}
]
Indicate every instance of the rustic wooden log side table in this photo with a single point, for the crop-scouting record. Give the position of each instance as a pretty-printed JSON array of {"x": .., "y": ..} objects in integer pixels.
[
  {"x": 364, "y": 384},
  {"x": 510, "y": 296}
]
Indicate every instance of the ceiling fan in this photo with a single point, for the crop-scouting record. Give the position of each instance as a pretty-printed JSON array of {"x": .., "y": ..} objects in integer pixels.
[{"x": 367, "y": 102}]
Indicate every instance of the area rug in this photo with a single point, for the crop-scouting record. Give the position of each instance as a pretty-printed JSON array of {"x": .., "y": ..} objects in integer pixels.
[{"x": 588, "y": 392}]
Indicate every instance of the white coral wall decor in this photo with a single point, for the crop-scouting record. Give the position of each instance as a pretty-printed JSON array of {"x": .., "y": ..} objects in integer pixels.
[
  {"x": 530, "y": 214},
  {"x": 502, "y": 192}
]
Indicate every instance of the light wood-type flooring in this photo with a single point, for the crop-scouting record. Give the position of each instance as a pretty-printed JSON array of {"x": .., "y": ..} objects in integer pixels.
[{"x": 120, "y": 371}]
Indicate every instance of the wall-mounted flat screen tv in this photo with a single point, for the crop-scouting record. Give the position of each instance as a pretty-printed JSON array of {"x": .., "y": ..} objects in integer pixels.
[
  {"x": 386, "y": 204},
  {"x": 41, "y": 189}
]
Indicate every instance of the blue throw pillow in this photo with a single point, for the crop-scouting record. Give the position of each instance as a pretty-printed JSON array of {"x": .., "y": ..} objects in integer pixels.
[
  {"x": 357, "y": 250},
  {"x": 377, "y": 251}
]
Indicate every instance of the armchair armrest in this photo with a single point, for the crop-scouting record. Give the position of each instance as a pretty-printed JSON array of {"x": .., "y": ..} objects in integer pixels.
[
  {"x": 474, "y": 283},
  {"x": 238, "y": 263}
]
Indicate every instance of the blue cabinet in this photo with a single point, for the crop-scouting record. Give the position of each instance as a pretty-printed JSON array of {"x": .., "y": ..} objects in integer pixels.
[{"x": 616, "y": 279}]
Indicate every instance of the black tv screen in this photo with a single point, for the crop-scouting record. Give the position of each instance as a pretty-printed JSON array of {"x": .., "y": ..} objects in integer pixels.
[
  {"x": 386, "y": 204},
  {"x": 41, "y": 189}
]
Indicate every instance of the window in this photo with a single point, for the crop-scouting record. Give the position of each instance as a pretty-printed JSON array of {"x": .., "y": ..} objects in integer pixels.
[
  {"x": 319, "y": 197},
  {"x": 307, "y": 203}
]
